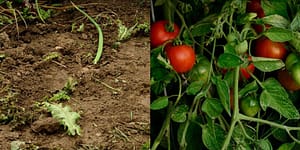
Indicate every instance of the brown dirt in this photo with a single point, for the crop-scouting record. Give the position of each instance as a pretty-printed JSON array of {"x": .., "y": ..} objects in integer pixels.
[{"x": 112, "y": 96}]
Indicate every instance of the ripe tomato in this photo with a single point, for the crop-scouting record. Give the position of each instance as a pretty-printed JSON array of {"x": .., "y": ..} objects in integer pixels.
[
  {"x": 244, "y": 72},
  {"x": 286, "y": 80},
  {"x": 264, "y": 47},
  {"x": 249, "y": 106},
  {"x": 159, "y": 33},
  {"x": 200, "y": 71},
  {"x": 182, "y": 57},
  {"x": 254, "y": 6}
]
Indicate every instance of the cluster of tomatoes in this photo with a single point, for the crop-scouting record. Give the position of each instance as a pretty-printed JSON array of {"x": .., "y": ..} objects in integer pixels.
[{"x": 183, "y": 58}]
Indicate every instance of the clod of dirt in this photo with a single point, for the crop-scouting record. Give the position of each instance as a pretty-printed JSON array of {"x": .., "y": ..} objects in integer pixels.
[
  {"x": 45, "y": 125},
  {"x": 4, "y": 40}
]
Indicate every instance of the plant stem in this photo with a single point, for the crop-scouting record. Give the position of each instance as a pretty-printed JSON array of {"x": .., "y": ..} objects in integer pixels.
[
  {"x": 277, "y": 125},
  {"x": 163, "y": 129},
  {"x": 235, "y": 110}
]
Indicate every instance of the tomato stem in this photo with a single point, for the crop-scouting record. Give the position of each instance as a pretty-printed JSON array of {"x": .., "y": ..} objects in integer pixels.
[{"x": 235, "y": 110}]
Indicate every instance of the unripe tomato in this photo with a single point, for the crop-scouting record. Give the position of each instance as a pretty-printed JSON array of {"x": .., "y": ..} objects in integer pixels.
[
  {"x": 296, "y": 72},
  {"x": 182, "y": 57},
  {"x": 287, "y": 81},
  {"x": 249, "y": 106},
  {"x": 290, "y": 60},
  {"x": 264, "y": 47},
  {"x": 159, "y": 33},
  {"x": 200, "y": 71}
]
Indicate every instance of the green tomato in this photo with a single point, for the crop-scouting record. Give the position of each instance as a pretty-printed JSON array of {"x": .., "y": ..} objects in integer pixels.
[
  {"x": 249, "y": 106},
  {"x": 291, "y": 60},
  {"x": 296, "y": 72},
  {"x": 200, "y": 71}
]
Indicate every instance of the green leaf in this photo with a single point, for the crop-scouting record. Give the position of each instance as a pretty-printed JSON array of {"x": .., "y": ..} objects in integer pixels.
[
  {"x": 227, "y": 60},
  {"x": 280, "y": 135},
  {"x": 267, "y": 64},
  {"x": 275, "y": 7},
  {"x": 275, "y": 97},
  {"x": 213, "y": 137},
  {"x": 249, "y": 88},
  {"x": 241, "y": 141},
  {"x": 264, "y": 144},
  {"x": 194, "y": 87},
  {"x": 287, "y": 146},
  {"x": 223, "y": 92},
  {"x": 179, "y": 115},
  {"x": 65, "y": 117},
  {"x": 159, "y": 2},
  {"x": 276, "y": 21},
  {"x": 200, "y": 29},
  {"x": 212, "y": 107},
  {"x": 295, "y": 42},
  {"x": 160, "y": 103},
  {"x": 193, "y": 134},
  {"x": 229, "y": 48},
  {"x": 279, "y": 34},
  {"x": 295, "y": 24}
]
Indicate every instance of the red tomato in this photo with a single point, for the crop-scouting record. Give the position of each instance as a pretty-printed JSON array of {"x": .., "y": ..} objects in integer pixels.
[
  {"x": 286, "y": 80},
  {"x": 244, "y": 73},
  {"x": 267, "y": 48},
  {"x": 182, "y": 58},
  {"x": 254, "y": 6},
  {"x": 159, "y": 33}
]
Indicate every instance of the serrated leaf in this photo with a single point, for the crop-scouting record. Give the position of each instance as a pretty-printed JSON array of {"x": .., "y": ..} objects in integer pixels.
[
  {"x": 194, "y": 87},
  {"x": 179, "y": 115},
  {"x": 212, "y": 107},
  {"x": 193, "y": 134},
  {"x": 264, "y": 144},
  {"x": 275, "y": 7},
  {"x": 213, "y": 137},
  {"x": 223, "y": 92},
  {"x": 159, "y": 2},
  {"x": 280, "y": 135},
  {"x": 279, "y": 34},
  {"x": 275, "y": 97},
  {"x": 286, "y": 146},
  {"x": 160, "y": 103},
  {"x": 276, "y": 21},
  {"x": 267, "y": 64},
  {"x": 249, "y": 88},
  {"x": 295, "y": 24},
  {"x": 227, "y": 60},
  {"x": 295, "y": 42},
  {"x": 65, "y": 117}
]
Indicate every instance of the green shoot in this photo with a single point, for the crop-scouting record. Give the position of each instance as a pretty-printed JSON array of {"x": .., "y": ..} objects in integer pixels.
[{"x": 100, "y": 39}]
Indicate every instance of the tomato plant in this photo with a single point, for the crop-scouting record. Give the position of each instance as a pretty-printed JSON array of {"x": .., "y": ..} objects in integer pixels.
[
  {"x": 162, "y": 32},
  {"x": 264, "y": 47},
  {"x": 234, "y": 93},
  {"x": 182, "y": 57}
]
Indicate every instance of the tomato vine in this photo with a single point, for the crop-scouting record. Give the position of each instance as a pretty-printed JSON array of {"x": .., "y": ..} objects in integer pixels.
[{"x": 186, "y": 109}]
